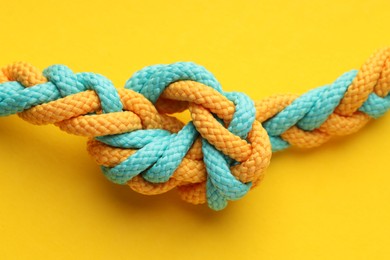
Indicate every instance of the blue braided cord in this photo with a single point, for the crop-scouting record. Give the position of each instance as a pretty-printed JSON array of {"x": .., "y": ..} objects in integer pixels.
[
  {"x": 64, "y": 79},
  {"x": 221, "y": 184},
  {"x": 244, "y": 116},
  {"x": 214, "y": 199},
  {"x": 278, "y": 144},
  {"x": 138, "y": 162},
  {"x": 108, "y": 95},
  {"x": 16, "y": 98},
  {"x": 134, "y": 140},
  {"x": 375, "y": 106},
  {"x": 173, "y": 155},
  {"x": 152, "y": 80},
  {"x": 141, "y": 78}
]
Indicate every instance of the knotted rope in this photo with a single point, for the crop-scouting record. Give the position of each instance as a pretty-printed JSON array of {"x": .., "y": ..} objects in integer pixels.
[{"x": 222, "y": 153}]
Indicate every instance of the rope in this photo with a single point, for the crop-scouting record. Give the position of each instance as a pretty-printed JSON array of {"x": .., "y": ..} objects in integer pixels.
[{"x": 222, "y": 153}]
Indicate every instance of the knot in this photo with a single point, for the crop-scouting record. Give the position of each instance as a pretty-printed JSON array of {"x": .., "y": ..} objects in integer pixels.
[
  {"x": 235, "y": 149},
  {"x": 221, "y": 153}
]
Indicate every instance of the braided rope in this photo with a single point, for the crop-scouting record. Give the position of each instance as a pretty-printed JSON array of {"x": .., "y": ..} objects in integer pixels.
[{"x": 222, "y": 153}]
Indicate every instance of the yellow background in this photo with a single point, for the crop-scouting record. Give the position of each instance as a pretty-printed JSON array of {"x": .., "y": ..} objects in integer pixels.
[{"x": 326, "y": 203}]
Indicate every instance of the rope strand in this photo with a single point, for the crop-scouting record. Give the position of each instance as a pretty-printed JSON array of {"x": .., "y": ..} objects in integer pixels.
[{"x": 222, "y": 153}]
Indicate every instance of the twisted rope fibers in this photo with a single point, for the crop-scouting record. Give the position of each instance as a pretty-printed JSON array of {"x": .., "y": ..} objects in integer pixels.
[{"x": 222, "y": 153}]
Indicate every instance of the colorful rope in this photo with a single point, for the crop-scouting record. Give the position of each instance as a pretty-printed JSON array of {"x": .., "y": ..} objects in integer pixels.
[{"x": 222, "y": 153}]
